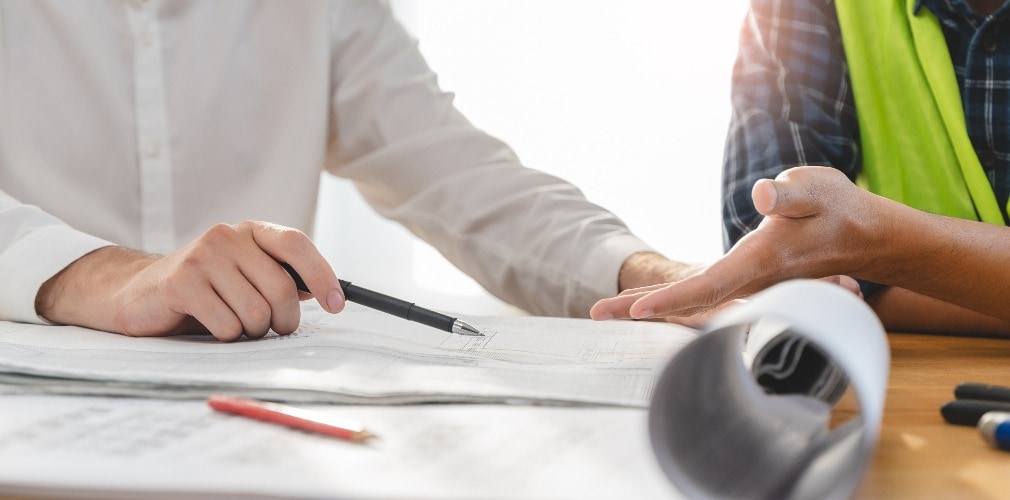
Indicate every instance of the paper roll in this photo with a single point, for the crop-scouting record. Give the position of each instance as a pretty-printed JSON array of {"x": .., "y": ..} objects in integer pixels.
[{"x": 718, "y": 432}]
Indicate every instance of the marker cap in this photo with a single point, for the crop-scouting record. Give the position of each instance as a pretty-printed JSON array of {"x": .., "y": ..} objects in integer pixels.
[{"x": 995, "y": 429}]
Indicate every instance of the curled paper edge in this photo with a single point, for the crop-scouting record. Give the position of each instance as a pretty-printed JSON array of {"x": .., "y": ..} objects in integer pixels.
[{"x": 839, "y": 324}]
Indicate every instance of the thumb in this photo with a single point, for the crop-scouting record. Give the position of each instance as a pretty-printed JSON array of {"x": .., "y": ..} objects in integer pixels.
[{"x": 783, "y": 198}]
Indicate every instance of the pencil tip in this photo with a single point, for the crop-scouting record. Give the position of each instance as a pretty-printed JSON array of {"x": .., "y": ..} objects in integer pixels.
[{"x": 364, "y": 436}]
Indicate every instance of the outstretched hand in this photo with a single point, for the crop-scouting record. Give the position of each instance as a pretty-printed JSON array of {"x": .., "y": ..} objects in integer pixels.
[{"x": 817, "y": 223}]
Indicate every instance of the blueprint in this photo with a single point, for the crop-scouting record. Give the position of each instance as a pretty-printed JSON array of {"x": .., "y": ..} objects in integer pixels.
[{"x": 358, "y": 356}]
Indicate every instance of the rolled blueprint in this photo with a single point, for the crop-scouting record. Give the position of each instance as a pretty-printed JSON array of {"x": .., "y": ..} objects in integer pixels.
[{"x": 744, "y": 410}]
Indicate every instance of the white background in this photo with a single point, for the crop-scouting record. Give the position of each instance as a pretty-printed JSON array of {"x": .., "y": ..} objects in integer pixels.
[{"x": 628, "y": 100}]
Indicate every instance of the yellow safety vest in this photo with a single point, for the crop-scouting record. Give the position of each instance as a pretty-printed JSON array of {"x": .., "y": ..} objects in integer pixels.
[{"x": 915, "y": 145}]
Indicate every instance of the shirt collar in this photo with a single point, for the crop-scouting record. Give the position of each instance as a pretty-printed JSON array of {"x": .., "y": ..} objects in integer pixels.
[{"x": 943, "y": 8}]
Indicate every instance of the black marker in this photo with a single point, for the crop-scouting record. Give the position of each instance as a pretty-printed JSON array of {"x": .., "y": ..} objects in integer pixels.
[
  {"x": 969, "y": 411},
  {"x": 392, "y": 305},
  {"x": 973, "y": 400},
  {"x": 988, "y": 392}
]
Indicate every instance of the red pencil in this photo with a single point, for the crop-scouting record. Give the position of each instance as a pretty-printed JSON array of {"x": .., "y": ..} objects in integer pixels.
[{"x": 297, "y": 418}]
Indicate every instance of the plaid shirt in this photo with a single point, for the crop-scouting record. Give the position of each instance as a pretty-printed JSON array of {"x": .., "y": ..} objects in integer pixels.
[{"x": 792, "y": 101}]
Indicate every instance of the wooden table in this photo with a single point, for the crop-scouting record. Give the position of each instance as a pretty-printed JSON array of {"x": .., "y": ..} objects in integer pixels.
[{"x": 919, "y": 455}]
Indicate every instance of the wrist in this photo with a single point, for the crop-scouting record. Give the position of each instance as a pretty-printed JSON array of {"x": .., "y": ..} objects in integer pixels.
[
  {"x": 897, "y": 241},
  {"x": 650, "y": 268},
  {"x": 85, "y": 293}
]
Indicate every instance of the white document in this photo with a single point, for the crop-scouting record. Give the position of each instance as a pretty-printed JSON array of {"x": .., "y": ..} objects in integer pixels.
[
  {"x": 357, "y": 356},
  {"x": 136, "y": 448},
  {"x": 715, "y": 431}
]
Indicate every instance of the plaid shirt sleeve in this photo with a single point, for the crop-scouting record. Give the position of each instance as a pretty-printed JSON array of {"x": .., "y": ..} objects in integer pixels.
[{"x": 792, "y": 103}]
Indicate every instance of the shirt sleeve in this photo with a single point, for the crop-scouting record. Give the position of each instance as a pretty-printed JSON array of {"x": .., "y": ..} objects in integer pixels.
[
  {"x": 792, "y": 103},
  {"x": 530, "y": 238},
  {"x": 34, "y": 246}
]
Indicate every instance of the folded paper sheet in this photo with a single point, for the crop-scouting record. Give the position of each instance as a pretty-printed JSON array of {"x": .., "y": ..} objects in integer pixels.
[
  {"x": 358, "y": 356},
  {"x": 717, "y": 432}
]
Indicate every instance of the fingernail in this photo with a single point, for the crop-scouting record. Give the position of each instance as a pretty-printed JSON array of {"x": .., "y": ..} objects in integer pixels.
[
  {"x": 774, "y": 191},
  {"x": 335, "y": 301},
  {"x": 605, "y": 317},
  {"x": 643, "y": 314}
]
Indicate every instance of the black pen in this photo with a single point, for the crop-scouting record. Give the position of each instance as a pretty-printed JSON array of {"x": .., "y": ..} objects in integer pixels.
[{"x": 392, "y": 305}]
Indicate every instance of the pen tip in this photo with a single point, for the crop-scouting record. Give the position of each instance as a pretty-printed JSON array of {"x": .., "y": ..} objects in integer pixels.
[{"x": 463, "y": 328}]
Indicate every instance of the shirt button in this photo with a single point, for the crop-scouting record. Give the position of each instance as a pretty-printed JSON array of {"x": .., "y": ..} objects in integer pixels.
[
  {"x": 152, "y": 151},
  {"x": 991, "y": 45},
  {"x": 146, "y": 38}
]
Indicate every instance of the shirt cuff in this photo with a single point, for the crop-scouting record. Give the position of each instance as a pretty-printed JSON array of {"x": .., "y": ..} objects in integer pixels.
[
  {"x": 600, "y": 271},
  {"x": 33, "y": 259}
]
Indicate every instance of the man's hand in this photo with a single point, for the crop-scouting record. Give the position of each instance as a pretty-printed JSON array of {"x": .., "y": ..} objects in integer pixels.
[
  {"x": 817, "y": 223},
  {"x": 646, "y": 271},
  {"x": 227, "y": 281}
]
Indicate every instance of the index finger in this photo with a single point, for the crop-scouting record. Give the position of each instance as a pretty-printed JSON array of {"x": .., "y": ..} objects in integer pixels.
[
  {"x": 294, "y": 248},
  {"x": 617, "y": 307}
]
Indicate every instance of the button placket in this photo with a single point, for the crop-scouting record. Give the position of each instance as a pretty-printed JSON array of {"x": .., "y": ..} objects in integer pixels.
[{"x": 154, "y": 155}]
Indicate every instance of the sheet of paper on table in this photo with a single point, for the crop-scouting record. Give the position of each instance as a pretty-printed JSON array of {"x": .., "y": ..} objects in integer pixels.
[
  {"x": 708, "y": 402},
  {"x": 358, "y": 356},
  {"x": 127, "y": 447}
]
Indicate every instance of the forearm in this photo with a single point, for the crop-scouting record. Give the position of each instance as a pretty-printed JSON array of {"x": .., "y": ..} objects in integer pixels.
[
  {"x": 527, "y": 237},
  {"x": 964, "y": 263},
  {"x": 901, "y": 310}
]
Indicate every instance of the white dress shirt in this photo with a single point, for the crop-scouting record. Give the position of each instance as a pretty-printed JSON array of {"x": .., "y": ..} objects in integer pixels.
[{"x": 143, "y": 123}]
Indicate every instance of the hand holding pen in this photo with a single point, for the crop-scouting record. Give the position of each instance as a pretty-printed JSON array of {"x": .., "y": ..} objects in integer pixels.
[
  {"x": 397, "y": 307},
  {"x": 225, "y": 282}
]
